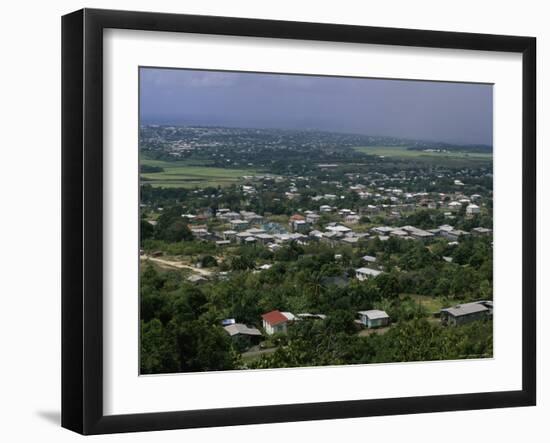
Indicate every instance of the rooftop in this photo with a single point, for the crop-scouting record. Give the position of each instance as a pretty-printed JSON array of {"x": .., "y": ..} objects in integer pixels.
[
  {"x": 239, "y": 328},
  {"x": 368, "y": 271},
  {"x": 274, "y": 318},
  {"x": 374, "y": 314},
  {"x": 369, "y": 258},
  {"x": 465, "y": 309}
]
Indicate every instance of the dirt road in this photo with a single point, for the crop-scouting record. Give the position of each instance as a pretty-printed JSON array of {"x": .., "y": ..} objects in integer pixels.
[{"x": 177, "y": 265}]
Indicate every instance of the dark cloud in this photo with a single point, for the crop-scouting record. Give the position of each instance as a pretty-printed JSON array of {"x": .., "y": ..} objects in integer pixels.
[{"x": 443, "y": 111}]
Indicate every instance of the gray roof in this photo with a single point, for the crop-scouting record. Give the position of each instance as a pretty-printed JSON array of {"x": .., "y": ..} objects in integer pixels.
[
  {"x": 374, "y": 314},
  {"x": 239, "y": 328},
  {"x": 465, "y": 309},
  {"x": 264, "y": 236},
  {"x": 383, "y": 229},
  {"x": 482, "y": 230}
]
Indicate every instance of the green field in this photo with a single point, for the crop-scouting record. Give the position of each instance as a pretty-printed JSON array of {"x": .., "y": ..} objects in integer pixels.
[
  {"x": 181, "y": 174},
  {"x": 404, "y": 153},
  {"x": 432, "y": 304}
]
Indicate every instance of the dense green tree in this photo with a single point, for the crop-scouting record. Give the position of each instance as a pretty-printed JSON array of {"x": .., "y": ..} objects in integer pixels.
[
  {"x": 146, "y": 230},
  {"x": 158, "y": 349}
]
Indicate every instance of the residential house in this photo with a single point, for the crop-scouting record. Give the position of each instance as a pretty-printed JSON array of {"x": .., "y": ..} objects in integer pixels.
[
  {"x": 365, "y": 273},
  {"x": 352, "y": 241},
  {"x": 453, "y": 235},
  {"x": 243, "y": 334},
  {"x": 230, "y": 215},
  {"x": 242, "y": 236},
  {"x": 301, "y": 226},
  {"x": 338, "y": 228},
  {"x": 418, "y": 234},
  {"x": 265, "y": 238},
  {"x": 369, "y": 258},
  {"x": 312, "y": 218},
  {"x": 481, "y": 231},
  {"x": 400, "y": 233},
  {"x": 352, "y": 219},
  {"x": 250, "y": 240},
  {"x": 331, "y": 237},
  {"x": 252, "y": 217},
  {"x": 466, "y": 313},
  {"x": 275, "y": 322},
  {"x": 238, "y": 225},
  {"x": 374, "y": 318},
  {"x": 229, "y": 235},
  {"x": 382, "y": 230}
]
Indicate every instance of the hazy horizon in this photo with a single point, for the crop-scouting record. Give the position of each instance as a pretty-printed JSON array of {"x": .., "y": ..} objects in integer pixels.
[{"x": 458, "y": 113}]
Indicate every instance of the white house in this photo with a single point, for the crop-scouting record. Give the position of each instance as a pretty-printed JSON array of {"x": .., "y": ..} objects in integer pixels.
[
  {"x": 374, "y": 318},
  {"x": 365, "y": 273},
  {"x": 275, "y": 322}
]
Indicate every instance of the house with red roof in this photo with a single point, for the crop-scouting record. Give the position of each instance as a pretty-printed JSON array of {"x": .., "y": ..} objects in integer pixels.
[{"x": 275, "y": 322}]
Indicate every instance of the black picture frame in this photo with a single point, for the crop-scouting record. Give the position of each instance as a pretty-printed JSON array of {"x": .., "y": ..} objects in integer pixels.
[{"x": 82, "y": 157}]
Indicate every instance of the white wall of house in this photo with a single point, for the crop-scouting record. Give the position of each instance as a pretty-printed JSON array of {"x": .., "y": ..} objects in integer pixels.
[{"x": 270, "y": 329}]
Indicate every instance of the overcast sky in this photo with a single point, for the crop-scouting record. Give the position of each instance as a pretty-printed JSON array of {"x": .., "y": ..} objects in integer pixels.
[{"x": 441, "y": 111}]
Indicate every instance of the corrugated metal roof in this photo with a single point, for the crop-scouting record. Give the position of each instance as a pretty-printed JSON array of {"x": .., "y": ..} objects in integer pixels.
[
  {"x": 374, "y": 314},
  {"x": 368, "y": 271},
  {"x": 274, "y": 318},
  {"x": 239, "y": 328},
  {"x": 465, "y": 309}
]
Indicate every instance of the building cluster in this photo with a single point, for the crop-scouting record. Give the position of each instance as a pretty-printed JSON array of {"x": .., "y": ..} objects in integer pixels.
[
  {"x": 247, "y": 227},
  {"x": 279, "y": 322}
]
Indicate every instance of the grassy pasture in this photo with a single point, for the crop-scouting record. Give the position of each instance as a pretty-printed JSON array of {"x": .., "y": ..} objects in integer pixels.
[
  {"x": 402, "y": 152},
  {"x": 432, "y": 304},
  {"x": 180, "y": 174}
]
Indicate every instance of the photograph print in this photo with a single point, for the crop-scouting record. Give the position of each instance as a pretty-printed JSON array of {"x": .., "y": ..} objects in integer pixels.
[{"x": 292, "y": 221}]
